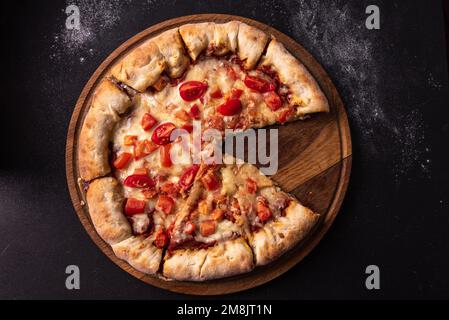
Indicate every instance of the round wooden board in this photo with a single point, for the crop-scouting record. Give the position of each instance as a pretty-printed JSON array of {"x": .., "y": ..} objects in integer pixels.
[{"x": 314, "y": 163}]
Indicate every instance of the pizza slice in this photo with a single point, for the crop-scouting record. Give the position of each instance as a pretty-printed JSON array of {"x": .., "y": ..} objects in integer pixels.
[
  {"x": 274, "y": 220},
  {"x": 229, "y": 205},
  {"x": 207, "y": 239}
]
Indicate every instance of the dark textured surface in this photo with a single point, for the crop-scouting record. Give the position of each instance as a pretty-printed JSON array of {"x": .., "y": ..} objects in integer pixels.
[{"x": 393, "y": 82}]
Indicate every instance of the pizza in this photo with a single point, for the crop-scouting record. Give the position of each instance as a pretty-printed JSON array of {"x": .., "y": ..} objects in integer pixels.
[{"x": 189, "y": 219}]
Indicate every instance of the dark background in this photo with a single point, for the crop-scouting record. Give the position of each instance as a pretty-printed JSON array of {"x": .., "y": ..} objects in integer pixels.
[{"x": 395, "y": 87}]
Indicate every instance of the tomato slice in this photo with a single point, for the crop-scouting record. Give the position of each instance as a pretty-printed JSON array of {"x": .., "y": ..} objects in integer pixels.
[
  {"x": 236, "y": 93},
  {"x": 139, "y": 181},
  {"x": 195, "y": 112},
  {"x": 263, "y": 211},
  {"x": 258, "y": 84},
  {"x": 122, "y": 160},
  {"x": 161, "y": 239},
  {"x": 216, "y": 94},
  {"x": 210, "y": 181},
  {"x": 144, "y": 148},
  {"x": 164, "y": 153},
  {"x": 161, "y": 135},
  {"x": 134, "y": 206},
  {"x": 230, "y": 107},
  {"x": 130, "y": 140},
  {"x": 251, "y": 185},
  {"x": 208, "y": 228},
  {"x": 189, "y": 228},
  {"x": 272, "y": 100},
  {"x": 192, "y": 90},
  {"x": 165, "y": 204},
  {"x": 188, "y": 176},
  {"x": 148, "y": 121}
]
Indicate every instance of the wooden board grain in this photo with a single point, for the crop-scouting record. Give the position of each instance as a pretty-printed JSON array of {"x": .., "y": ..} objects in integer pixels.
[{"x": 315, "y": 158}]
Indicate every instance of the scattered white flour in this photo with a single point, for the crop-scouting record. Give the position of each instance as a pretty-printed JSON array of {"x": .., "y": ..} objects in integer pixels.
[
  {"x": 96, "y": 17},
  {"x": 332, "y": 32}
]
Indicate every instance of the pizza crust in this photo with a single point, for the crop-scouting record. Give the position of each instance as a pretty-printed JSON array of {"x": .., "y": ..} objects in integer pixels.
[
  {"x": 225, "y": 38},
  {"x": 251, "y": 43},
  {"x": 141, "y": 68},
  {"x": 225, "y": 259},
  {"x": 280, "y": 235},
  {"x": 305, "y": 92},
  {"x": 105, "y": 201},
  {"x": 197, "y": 37},
  {"x": 108, "y": 103},
  {"x": 140, "y": 253},
  {"x": 172, "y": 48}
]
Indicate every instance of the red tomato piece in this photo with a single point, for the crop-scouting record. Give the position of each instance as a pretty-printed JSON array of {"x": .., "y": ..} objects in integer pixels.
[
  {"x": 192, "y": 90},
  {"x": 165, "y": 204},
  {"x": 122, "y": 160},
  {"x": 216, "y": 94},
  {"x": 165, "y": 156},
  {"x": 210, "y": 181},
  {"x": 139, "y": 181},
  {"x": 258, "y": 84},
  {"x": 144, "y": 148},
  {"x": 161, "y": 135},
  {"x": 189, "y": 228},
  {"x": 134, "y": 206},
  {"x": 188, "y": 176},
  {"x": 161, "y": 239},
  {"x": 208, "y": 228},
  {"x": 230, "y": 107},
  {"x": 148, "y": 121},
  {"x": 272, "y": 100},
  {"x": 195, "y": 112}
]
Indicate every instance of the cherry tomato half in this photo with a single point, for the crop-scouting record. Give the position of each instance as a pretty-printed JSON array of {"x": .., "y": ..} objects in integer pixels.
[
  {"x": 258, "y": 84},
  {"x": 139, "y": 181},
  {"x": 161, "y": 135},
  {"x": 188, "y": 176},
  {"x": 192, "y": 90}
]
